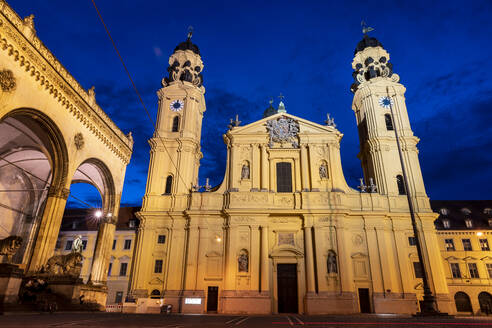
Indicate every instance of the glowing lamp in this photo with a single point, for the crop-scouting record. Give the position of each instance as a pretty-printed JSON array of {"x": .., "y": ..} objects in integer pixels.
[{"x": 98, "y": 214}]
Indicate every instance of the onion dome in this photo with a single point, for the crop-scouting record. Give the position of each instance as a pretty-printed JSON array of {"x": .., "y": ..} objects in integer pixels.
[
  {"x": 188, "y": 45},
  {"x": 367, "y": 42},
  {"x": 270, "y": 110}
]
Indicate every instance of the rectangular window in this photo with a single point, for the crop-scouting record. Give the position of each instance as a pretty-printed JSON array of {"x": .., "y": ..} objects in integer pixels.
[
  {"x": 417, "y": 268},
  {"x": 161, "y": 239},
  {"x": 446, "y": 224},
  {"x": 58, "y": 244},
  {"x": 109, "y": 269},
  {"x": 455, "y": 270},
  {"x": 484, "y": 244},
  {"x": 412, "y": 241},
  {"x": 128, "y": 244},
  {"x": 284, "y": 177},
  {"x": 84, "y": 244},
  {"x": 467, "y": 244},
  {"x": 119, "y": 297},
  {"x": 69, "y": 244},
  {"x": 489, "y": 269},
  {"x": 158, "y": 266},
  {"x": 123, "y": 268},
  {"x": 114, "y": 244},
  {"x": 449, "y": 244},
  {"x": 472, "y": 267}
]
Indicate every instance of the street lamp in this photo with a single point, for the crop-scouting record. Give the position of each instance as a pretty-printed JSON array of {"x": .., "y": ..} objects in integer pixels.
[{"x": 429, "y": 303}]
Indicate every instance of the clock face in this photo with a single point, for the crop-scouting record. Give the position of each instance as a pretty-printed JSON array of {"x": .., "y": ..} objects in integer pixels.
[
  {"x": 386, "y": 102},
  {"x": 176, "y": 105}
]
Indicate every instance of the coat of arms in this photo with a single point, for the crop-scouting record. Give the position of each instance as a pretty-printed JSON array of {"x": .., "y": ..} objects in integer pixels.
[{"x": 282, "y": 130}]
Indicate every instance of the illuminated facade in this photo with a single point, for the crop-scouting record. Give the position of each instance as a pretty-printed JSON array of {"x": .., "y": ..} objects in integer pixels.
[{"x": 284, "y": 232}]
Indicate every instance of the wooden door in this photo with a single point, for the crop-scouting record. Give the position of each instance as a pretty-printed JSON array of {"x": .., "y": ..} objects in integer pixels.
[{"x": 287, "y": 288}]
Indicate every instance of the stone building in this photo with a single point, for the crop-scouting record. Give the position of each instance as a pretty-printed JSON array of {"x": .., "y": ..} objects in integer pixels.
[
  {"x": 284, "y": 232},
  {"x": 464, "y": 230},
  {"x": 52, "y": 134},
  {"x": 81, "y": 222}
]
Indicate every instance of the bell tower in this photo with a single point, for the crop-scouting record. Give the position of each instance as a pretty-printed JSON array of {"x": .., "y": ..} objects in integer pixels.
[
  {"x": 379, "y": 106},
  {"x": 175, "y": 147}
]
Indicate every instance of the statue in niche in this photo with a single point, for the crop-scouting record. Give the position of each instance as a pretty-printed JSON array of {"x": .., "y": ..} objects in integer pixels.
[
  {"x": 332, "y": 263},
  {"x": 323, "y": 171},
  {"x": 242, "y": 261},
  {"x": 245, "y": 171},
  {"x": 9, "y": 246}
]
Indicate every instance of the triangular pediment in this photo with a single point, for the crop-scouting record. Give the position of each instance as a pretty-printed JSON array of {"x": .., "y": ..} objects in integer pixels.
[{"x": 305, "y": 126}]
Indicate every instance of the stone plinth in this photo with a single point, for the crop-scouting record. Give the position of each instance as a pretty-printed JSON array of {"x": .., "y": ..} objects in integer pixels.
[
  {"x": 330, "y": 303},
  {"x": 395, "y": 303},
  {"x": 95, "y": 294},
  {"x": 245, "y": 302},
  {"x": 193, "y": 301},
  {"x": 10, "y": 282}
]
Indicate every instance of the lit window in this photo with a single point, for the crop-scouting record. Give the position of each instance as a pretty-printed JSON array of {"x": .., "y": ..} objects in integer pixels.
[
  {"x": 469, "y": 223},
  {"x": 467, "y": 244},
  {"x": 123, "y": 268},
  {"x": 158, "y": 266},
  {"x": 412, "y": 241},
  {"x": 489, "y": 269},
  {"x": 161, "y": 239},
  {"x": 455, "y": 270},
  {"x": 484, "y": 244},
  {"x": 446, "y": 224},
  {"x": 128, "y": 244},
  {"x": 69, "y": 244},
  {"x": 472, "y": 267},
  {"x": 449, "y": 244},
  {"x": 417, "y": 268}
]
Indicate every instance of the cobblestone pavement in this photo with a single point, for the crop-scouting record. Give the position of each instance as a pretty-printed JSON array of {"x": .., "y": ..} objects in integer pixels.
[{"x": 227, "y": 321}]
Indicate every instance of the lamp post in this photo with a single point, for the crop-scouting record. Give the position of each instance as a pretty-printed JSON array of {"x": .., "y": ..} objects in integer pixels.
[{"x": 429, "y": 307}]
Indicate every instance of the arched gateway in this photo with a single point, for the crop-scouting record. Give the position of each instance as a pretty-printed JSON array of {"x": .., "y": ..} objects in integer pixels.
[{"x": 52, "y": 134}]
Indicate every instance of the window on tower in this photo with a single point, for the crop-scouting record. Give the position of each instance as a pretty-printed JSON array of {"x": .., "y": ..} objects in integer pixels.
[
  {"x": 401, "y": 185},
  {"x": 284, "y": 177},
  {"x": 389, "y": 122},
  {"x": 169, "y": 184},
  {"x": 175, "y": 124}
]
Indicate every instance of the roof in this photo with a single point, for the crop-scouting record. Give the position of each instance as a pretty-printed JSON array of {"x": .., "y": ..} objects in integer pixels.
[
  {"x": 367, "y": 42},
  {"x": 457, "y": 211},
  {"x": 188, "y": 45},
  {"x": 83, "y": 219}
]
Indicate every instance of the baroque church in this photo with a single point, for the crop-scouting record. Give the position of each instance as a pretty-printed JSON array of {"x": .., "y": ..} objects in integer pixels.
[{"x": 283, "y": 232}]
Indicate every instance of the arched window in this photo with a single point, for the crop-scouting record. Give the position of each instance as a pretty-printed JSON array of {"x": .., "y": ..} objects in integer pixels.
[
  {"x": 155, "y": 294},
  {"x": 284, "y": 177},
  {"x": 175, "y": 124},
  {"x": 462, "y": 301},
  {"x": 169, "y": 184},
  {"x": 401, "y": 185},
  {"x": 485, "y": 301},
  {"x": 389, "y": 122}
]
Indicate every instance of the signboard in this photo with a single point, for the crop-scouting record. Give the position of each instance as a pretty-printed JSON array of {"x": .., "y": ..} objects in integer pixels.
[{"x": 193, "y": 301}]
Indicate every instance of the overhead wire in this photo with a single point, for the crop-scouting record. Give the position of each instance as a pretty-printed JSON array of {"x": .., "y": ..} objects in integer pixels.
[{"x": 137, "y": 92}]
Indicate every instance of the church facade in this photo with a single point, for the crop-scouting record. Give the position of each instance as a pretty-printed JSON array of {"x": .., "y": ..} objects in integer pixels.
[{"x": 283, "y": 232}]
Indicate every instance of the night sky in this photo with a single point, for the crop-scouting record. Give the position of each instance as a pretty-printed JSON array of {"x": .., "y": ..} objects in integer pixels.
[{"x": 254, "y": 50}]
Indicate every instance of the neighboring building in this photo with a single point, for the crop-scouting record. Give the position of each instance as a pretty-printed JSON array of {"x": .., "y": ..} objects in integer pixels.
[
  {"x": 284, "y": 232},
  {"x": 464, "y": 230},
  {"x": 82, "y": 222}
]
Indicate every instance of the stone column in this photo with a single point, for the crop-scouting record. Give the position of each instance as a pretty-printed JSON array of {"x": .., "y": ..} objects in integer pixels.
[
  {"x": 265, "y": 169},
  {"x": 230, "y": 269},
  {"x": 232, "y": 177},
  {"x": 49, "y": 227},
  {"x": 202, "y": 259},
  {"x": 102, "y": 252},
  {"x": 308, "y": 251},
  {"x": 265, "y": 279},
  {"x": 254, "y": 258},
  {"x": 304, "y": 168},
  {"x": 192, "y": 257},
  {"x": 255, "y": 169}
]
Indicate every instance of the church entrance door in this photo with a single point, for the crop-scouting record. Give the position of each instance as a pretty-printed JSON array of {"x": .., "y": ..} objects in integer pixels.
[
  {"x": 212, "y": 298},
  {"x": 287, "y": 288},
  {"x": 364, "y": 301}
]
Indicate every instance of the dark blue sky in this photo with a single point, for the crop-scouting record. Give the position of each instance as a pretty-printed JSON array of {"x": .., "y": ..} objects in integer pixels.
[{"x": 253, "y": 50}]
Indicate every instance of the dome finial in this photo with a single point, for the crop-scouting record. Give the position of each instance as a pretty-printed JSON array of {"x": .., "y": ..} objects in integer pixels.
[
  {"x": 365, "y": 29},
  {"x": 281, "y": 105},
  {"x": 190, "y": 32}
]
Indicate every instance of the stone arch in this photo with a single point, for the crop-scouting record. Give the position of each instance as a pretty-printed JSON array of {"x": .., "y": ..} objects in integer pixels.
[
  {"x": 155, "y": 294},
  {"x": 33, "y": 152},
  {"x": 462, "y": 301},
  {"x": 485, "y": 301},
  {"x": 96, "y": 173}
]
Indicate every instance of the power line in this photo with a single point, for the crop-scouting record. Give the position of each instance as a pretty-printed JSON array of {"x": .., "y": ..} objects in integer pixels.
[{"x": 137, "y": 92}]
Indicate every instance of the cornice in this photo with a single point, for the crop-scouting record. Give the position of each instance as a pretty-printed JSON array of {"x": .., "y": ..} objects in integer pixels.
[{"x": 31, "y": 54}]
